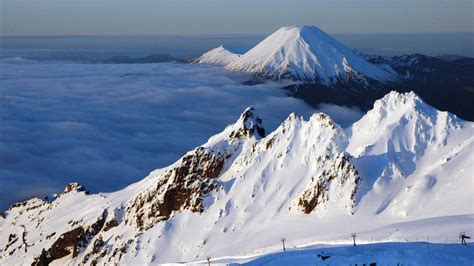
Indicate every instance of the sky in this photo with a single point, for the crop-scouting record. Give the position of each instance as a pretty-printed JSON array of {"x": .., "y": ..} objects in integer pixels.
[{"x": 161, "y": 17}]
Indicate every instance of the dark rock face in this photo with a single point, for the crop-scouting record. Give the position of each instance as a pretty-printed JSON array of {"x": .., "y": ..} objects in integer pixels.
[
  {"x": 70, "y": 242},
  {"x": 312, "y": 197},
  {"x": 97, "y": 247},
  {"x": 249, "y": 123},
  {"x": 12, "y": 238},
  {"x": 18, "y": 204},
  {"x": 111, "y": 224},
  {"x": 66, "y": 243},
  {"x": 340, "y": 173},
  {"x": 180, "y": 188},
  {"x": 74, "y": 187}
]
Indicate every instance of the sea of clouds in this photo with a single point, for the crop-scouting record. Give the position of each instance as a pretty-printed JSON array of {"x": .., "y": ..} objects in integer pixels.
[{"x": 108, "y": 125}]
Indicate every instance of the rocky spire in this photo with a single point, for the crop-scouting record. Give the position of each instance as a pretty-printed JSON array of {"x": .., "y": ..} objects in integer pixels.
[{"x": 249, "y": 124}]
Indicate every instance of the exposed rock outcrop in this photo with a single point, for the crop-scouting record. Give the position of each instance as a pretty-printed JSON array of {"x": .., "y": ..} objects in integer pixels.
[
  {"x": 248, "y": 124},
  {"x": 336, "y": 180},
  {"x": 180, "y": 188},
  {"x": 70, "y": 242}
]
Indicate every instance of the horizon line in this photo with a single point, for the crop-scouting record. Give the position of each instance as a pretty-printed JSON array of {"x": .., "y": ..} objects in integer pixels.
[{"x": 217, "y": 34}]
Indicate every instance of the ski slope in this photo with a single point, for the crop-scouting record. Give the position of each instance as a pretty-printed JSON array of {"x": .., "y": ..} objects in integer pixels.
[{"x": 396, "y": 253}]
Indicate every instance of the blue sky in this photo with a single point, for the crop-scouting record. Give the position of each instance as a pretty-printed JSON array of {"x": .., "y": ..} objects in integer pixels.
[{"x": 149, "y": 17}]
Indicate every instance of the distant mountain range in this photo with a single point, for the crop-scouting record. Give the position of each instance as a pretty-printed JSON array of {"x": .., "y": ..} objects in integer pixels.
[
  {"x": 155, "y": 58},
  {"x": 326, "y": 71}
]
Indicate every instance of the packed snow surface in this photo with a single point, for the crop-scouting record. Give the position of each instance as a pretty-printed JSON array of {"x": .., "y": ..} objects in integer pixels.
[
  {"x": 419, "y": 253},
  {"x": 309, "y": 54},
  {"x": 402, "y": 173}
]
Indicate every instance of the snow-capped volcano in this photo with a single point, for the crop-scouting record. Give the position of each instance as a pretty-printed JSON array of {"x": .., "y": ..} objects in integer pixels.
[
  {"x": 222, "y": 55},
  {"x": 307, "y": 53},
  {"x": 237, "y": 194}
]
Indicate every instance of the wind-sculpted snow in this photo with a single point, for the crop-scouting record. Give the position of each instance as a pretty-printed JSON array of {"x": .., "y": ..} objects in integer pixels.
[
  {"x": 402, "y": 167},
  {"x": 413, "y": 155}
]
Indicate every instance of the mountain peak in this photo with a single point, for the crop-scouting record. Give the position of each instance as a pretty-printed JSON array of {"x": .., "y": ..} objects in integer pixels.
[
  {"x": 304, "y": 31},
  {"x": 393, "y": 106},
  {"x": 395, "y": 100},
  {"x": 222, "y": 55},
  {"x": 248, "y": 124},
  {"x": 412, "y": 123},
  {"x": 74, "y": 186},
  {"x": 308, "y": 54}
]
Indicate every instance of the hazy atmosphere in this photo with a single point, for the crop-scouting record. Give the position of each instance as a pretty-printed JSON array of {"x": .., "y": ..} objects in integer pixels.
[{"x": 150, "y": 17}]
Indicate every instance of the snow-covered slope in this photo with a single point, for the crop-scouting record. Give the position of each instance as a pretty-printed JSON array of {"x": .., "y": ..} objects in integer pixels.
[
  {"x": 405, "y": 167},
  {"x": 222, "y": 55},
  {"x": 309, "y": 54},
  {"x": 374, "y": 254},
  {"x": 414, "y": 157}
]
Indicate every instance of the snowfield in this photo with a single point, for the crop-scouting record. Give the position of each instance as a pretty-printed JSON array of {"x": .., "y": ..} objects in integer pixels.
[
  {"x": 419, "y": 253},
  {"x": 402, "y": 173}
]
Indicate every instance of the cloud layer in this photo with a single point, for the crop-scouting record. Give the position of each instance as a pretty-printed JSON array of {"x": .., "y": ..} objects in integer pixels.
[{"x": 106, "y": 126}]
